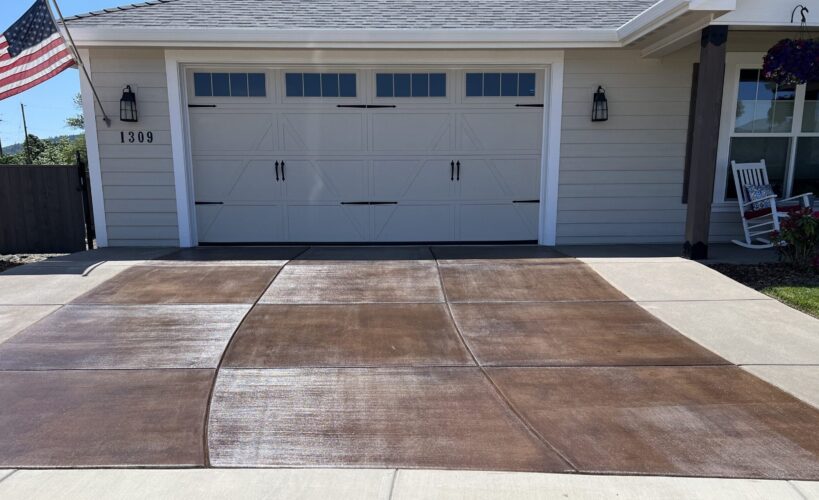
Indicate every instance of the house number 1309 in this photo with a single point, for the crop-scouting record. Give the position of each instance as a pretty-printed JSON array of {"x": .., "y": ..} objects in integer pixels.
[{"x": 136, "y": 137}]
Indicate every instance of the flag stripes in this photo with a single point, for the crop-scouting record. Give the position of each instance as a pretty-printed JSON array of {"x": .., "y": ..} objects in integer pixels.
[{"x": 32, "y": 51}]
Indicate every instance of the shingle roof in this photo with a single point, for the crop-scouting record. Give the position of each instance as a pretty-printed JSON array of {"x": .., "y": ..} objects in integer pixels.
[{"x": 368, "y": 14}]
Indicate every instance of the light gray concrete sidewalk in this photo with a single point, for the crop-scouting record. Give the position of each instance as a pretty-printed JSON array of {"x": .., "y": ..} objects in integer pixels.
[
  {"x": 387, "y": 484},
  {"x": 29, "y": 293},
  {"x": 765, "y": 337}
]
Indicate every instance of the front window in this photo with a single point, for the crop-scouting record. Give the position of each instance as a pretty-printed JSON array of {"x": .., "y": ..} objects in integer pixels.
[{"x": 779, "y": 124}]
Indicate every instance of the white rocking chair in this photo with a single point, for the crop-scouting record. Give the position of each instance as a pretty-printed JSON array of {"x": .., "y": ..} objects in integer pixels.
[{"x": 759, "y": 223}]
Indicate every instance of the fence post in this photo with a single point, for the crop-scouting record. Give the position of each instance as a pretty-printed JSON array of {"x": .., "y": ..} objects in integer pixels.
[{"x": 88, "y": 211}]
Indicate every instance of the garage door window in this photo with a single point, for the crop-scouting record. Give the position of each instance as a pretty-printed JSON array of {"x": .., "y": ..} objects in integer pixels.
[
  {"x": 410, "y": 84},
  {"x": 320, "y": 84},
  {"x": 229, "y": 85},
  {"x": 500, "y": 85}
]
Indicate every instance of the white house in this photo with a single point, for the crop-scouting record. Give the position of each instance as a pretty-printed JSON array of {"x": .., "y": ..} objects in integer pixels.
[{"x": 275, "y": 121}]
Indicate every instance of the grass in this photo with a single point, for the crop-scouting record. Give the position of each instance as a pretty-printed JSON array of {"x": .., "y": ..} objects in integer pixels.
[{"x": 804, "y": 298}]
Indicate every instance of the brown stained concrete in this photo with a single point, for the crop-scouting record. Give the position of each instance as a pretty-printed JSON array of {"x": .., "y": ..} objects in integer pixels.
[
  {"x": 574, "y": 333},
  {"x": 183, "y": 285},
  {"x": 281, "y": 336},
  {"x": 124, "y": 337},
  {"x": 103, "y": 418},
  {"x": 351, "y": 359},
  {"x": 690, "y": 421},
  {"x": 566, "y": 281},
  {"x": 433, "y": 418},
  {"x": 387, "y": 282}
]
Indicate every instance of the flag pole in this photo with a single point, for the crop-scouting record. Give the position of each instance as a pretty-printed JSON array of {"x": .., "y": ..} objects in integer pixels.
[{"x": 76, "y": 54}]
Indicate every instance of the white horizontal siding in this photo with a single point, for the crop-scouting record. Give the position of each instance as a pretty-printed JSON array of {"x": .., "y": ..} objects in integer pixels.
[
  {"x": 621, "y": 180},
  {"x": 138, "y": 181}
]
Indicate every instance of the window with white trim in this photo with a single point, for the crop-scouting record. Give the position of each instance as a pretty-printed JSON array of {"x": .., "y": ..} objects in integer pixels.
[{"x": 780, "y": 125}]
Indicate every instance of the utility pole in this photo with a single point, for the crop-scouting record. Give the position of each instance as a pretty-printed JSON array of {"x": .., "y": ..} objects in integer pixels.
[{"x": 25, "y": 131}]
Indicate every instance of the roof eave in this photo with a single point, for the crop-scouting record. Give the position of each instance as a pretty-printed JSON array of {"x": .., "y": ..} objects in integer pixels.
[{"x": 665, "y": 11}]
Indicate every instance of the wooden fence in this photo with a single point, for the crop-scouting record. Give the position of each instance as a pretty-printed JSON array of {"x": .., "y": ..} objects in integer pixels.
[{"x": 45, "y": 209}]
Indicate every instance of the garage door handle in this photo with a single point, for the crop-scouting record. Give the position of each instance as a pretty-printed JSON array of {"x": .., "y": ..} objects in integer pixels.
[
  {"x": 277, "y": 171},
  {"x": 458, "y": 164},
  {"x": 526, "y": 201},
  {"x": 283, "y": 179},
  {"x": 209, "y": 203},
  {"x": 452, "y": 170},
  {"x": 529, "y": 105}
]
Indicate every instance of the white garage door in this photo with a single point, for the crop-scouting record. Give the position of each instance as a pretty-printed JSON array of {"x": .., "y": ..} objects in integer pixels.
[{"x": 376, "y": 155}]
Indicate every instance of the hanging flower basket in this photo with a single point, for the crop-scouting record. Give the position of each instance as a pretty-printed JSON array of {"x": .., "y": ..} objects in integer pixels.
[{"x": 792, "y": 62}]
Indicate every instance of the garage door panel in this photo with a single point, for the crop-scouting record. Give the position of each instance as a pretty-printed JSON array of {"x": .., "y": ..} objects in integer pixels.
[
  {"x": 480, "y": 181},
  {"x": 406, "y": 223},
  {"x": 412, "y": 132},
  {"x": 323, "y": 132},
  {"x": 508, "y": 179},
  {"x": 240, "y": 132},
  {"x": 235, "y": 180},
  {"x": 239, "y": 223},
  {"x": 412, "y": 179},
  {"x": 520, "y": 177},
  {"x": 326, "y": 180},
  {"x": 329, "y": 223},
  {"x": 501, "y": 130},
  {"x": 498, "y": 222}
]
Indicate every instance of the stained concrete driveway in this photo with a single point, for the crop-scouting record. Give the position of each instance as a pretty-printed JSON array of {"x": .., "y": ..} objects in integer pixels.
[{"x": 484, "y": 358}]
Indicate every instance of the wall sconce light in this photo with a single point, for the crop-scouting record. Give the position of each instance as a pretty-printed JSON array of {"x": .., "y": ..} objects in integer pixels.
[
  {"x": 127, "y": 105},
  {"x": 600, "y": 107}
]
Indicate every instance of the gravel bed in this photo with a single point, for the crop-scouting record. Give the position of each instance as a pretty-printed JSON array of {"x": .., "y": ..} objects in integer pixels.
[{"x": 761, "y": 276}]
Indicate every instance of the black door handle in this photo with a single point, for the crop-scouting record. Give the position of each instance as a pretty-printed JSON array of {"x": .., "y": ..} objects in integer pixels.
[
  {"x": 277, "y": 171},
  {"x": 458, "y": 164},
  {"x": 452, "y": 170},
  {"x": 283, "y": 179}
]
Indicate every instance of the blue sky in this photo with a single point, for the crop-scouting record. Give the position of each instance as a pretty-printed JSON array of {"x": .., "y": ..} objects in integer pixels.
[{"x": 48, "y": 104}]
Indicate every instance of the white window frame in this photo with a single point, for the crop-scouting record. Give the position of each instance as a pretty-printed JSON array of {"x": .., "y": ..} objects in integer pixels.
[{"x": 734, "y": 63}]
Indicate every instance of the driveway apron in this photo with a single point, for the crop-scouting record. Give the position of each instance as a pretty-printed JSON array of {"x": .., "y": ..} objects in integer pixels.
[{"x": 512, "y": 358}]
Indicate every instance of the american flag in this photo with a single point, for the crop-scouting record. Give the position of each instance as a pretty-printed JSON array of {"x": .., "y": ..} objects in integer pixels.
[{"x": 31, "y": 51}]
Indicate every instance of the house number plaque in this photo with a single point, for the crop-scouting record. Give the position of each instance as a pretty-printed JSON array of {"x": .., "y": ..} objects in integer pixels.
[{"x": 136, "y": 137}]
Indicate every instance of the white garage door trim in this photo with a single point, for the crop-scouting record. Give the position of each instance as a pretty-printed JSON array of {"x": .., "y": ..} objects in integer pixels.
[{"x": 180, "y": 138}]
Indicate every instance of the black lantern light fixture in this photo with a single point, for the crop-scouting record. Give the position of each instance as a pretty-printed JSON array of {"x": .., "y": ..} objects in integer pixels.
[
  {"x": 127, "y": 106},
  {"x": 600, "y": 107}
]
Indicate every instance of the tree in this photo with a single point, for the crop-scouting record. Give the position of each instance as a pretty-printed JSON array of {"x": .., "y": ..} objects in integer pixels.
[
  {"x": 76, "y": 121},
  {"x": 58, "y": 151}
]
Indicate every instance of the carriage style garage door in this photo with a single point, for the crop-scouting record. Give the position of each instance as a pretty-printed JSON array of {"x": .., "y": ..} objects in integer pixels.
[{"x": 365, "y": 155}]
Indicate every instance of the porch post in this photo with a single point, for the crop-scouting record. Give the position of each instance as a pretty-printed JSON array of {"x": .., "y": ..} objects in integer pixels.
[{"x": 704, "y": 141}]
